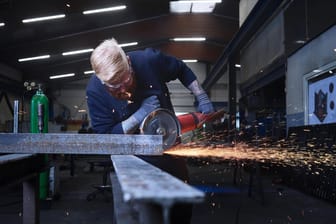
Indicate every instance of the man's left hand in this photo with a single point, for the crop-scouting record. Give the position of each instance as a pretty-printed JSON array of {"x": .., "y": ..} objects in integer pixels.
[{"x": 204, "y": 104}]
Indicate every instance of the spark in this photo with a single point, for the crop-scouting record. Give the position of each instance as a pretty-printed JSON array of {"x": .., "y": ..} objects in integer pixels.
[{"x": 313, "y": 157}]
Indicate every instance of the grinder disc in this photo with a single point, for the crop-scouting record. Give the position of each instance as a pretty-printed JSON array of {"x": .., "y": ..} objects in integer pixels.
[{"x": 162, "y": 122}]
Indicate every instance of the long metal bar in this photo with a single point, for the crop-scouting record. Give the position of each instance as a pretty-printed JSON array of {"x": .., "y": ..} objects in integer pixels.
[
  {"x": 16, "y": 117},
  {"x": 146, "y": 185},
  {"x": 122, "y": 212},
  {"x": 141, "y": 181},
  {"x": 55, "y": 143}
]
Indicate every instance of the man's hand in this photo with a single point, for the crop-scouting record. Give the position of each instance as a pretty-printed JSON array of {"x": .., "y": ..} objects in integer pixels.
[
  {"x": 132, "y": 123},
  {"x": 204, "y": 104},
  {"x": 148, "y": 105}
]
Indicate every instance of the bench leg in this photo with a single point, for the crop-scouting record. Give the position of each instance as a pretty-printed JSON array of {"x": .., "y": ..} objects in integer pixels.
[{"x": 31, "y": 212}]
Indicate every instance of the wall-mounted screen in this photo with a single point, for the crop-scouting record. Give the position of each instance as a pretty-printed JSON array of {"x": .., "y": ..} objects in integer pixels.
[{"x": 322, "y": 99}]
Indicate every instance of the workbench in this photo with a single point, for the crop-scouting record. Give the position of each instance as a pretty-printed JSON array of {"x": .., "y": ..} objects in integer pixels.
[{"x": 135, "y": 182}]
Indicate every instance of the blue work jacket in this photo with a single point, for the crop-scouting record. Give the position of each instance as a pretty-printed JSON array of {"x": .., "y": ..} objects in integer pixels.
[{"x": 152, "y": 70}]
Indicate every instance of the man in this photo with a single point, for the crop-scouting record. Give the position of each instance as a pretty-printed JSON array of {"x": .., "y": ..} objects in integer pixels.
[{"x": 126, "y": 88}]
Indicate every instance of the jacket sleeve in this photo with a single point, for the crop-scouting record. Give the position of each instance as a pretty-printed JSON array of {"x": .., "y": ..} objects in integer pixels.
[
  {"x": 172, "y": 68},
  {"x": 104, "y": 120}
]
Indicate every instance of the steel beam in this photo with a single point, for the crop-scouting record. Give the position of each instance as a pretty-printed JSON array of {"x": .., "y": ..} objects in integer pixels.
[
  {"x": 55, "y": 143},
  {"x": 147, "y": 188}
]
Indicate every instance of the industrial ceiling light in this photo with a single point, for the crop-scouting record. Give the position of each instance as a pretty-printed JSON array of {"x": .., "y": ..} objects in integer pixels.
[
  {"x": 34, "y": 58},
  {"x": 199, "y": 1},
  {"x": 77, "y": 52},
  {"x": 88, "y": 72},
  {"x": 109, "y": 9},
  {"x": 190, "y": 60},
  {"x": 61, "y": 76},
  {"x": 193, "y": 6},
  {"x": 189, "y": 39},
  {"x": 128, "y": 44},
  {"x": 300, "y": 41},
  {"x": 2, "y": 24},
  {"x": 37, "y": 19}
]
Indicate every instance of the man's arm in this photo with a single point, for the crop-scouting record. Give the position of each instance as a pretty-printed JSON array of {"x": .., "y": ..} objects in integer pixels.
[
  {"x": 175, "y": 68},
  {"x": 204, "y": 104},
  {"x": 103, "y": 121}
]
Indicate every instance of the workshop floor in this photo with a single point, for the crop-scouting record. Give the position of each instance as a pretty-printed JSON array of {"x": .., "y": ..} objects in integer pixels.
[{"x": 226, "y": 202}]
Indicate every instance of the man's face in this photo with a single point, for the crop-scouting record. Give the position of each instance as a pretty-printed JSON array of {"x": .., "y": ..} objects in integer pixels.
[{"x": 124, "y": 89}]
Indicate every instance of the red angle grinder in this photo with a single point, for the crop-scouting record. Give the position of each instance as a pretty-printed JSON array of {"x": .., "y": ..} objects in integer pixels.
[{"x": 164, "y": 122}]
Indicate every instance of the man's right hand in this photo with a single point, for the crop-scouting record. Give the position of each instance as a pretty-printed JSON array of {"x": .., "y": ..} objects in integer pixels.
[
  {"x": 132, "y": 123},
  {"x": 148, "y": 105}
]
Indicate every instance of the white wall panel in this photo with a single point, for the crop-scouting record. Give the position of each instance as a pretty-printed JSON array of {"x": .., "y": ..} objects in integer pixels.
[{"x": 316, "y": 54}]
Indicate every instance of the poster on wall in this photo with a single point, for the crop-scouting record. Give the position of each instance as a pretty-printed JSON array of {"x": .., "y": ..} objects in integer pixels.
[{"x": 321, "y": 100}]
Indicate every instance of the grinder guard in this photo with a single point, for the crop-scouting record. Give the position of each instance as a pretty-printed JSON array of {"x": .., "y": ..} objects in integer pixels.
[{"x": 162, "y": 122}]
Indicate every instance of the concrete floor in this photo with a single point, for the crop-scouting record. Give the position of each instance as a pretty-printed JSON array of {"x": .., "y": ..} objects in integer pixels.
[
  {"x": 229, "y": 203},
  {"x": 225, "y": 202}
]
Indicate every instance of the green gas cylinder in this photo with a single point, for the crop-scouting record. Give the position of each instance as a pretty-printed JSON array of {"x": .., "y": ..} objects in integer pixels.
[
  {"x": 39, "y": 116},
  {"x": 39, "y": 113}
]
